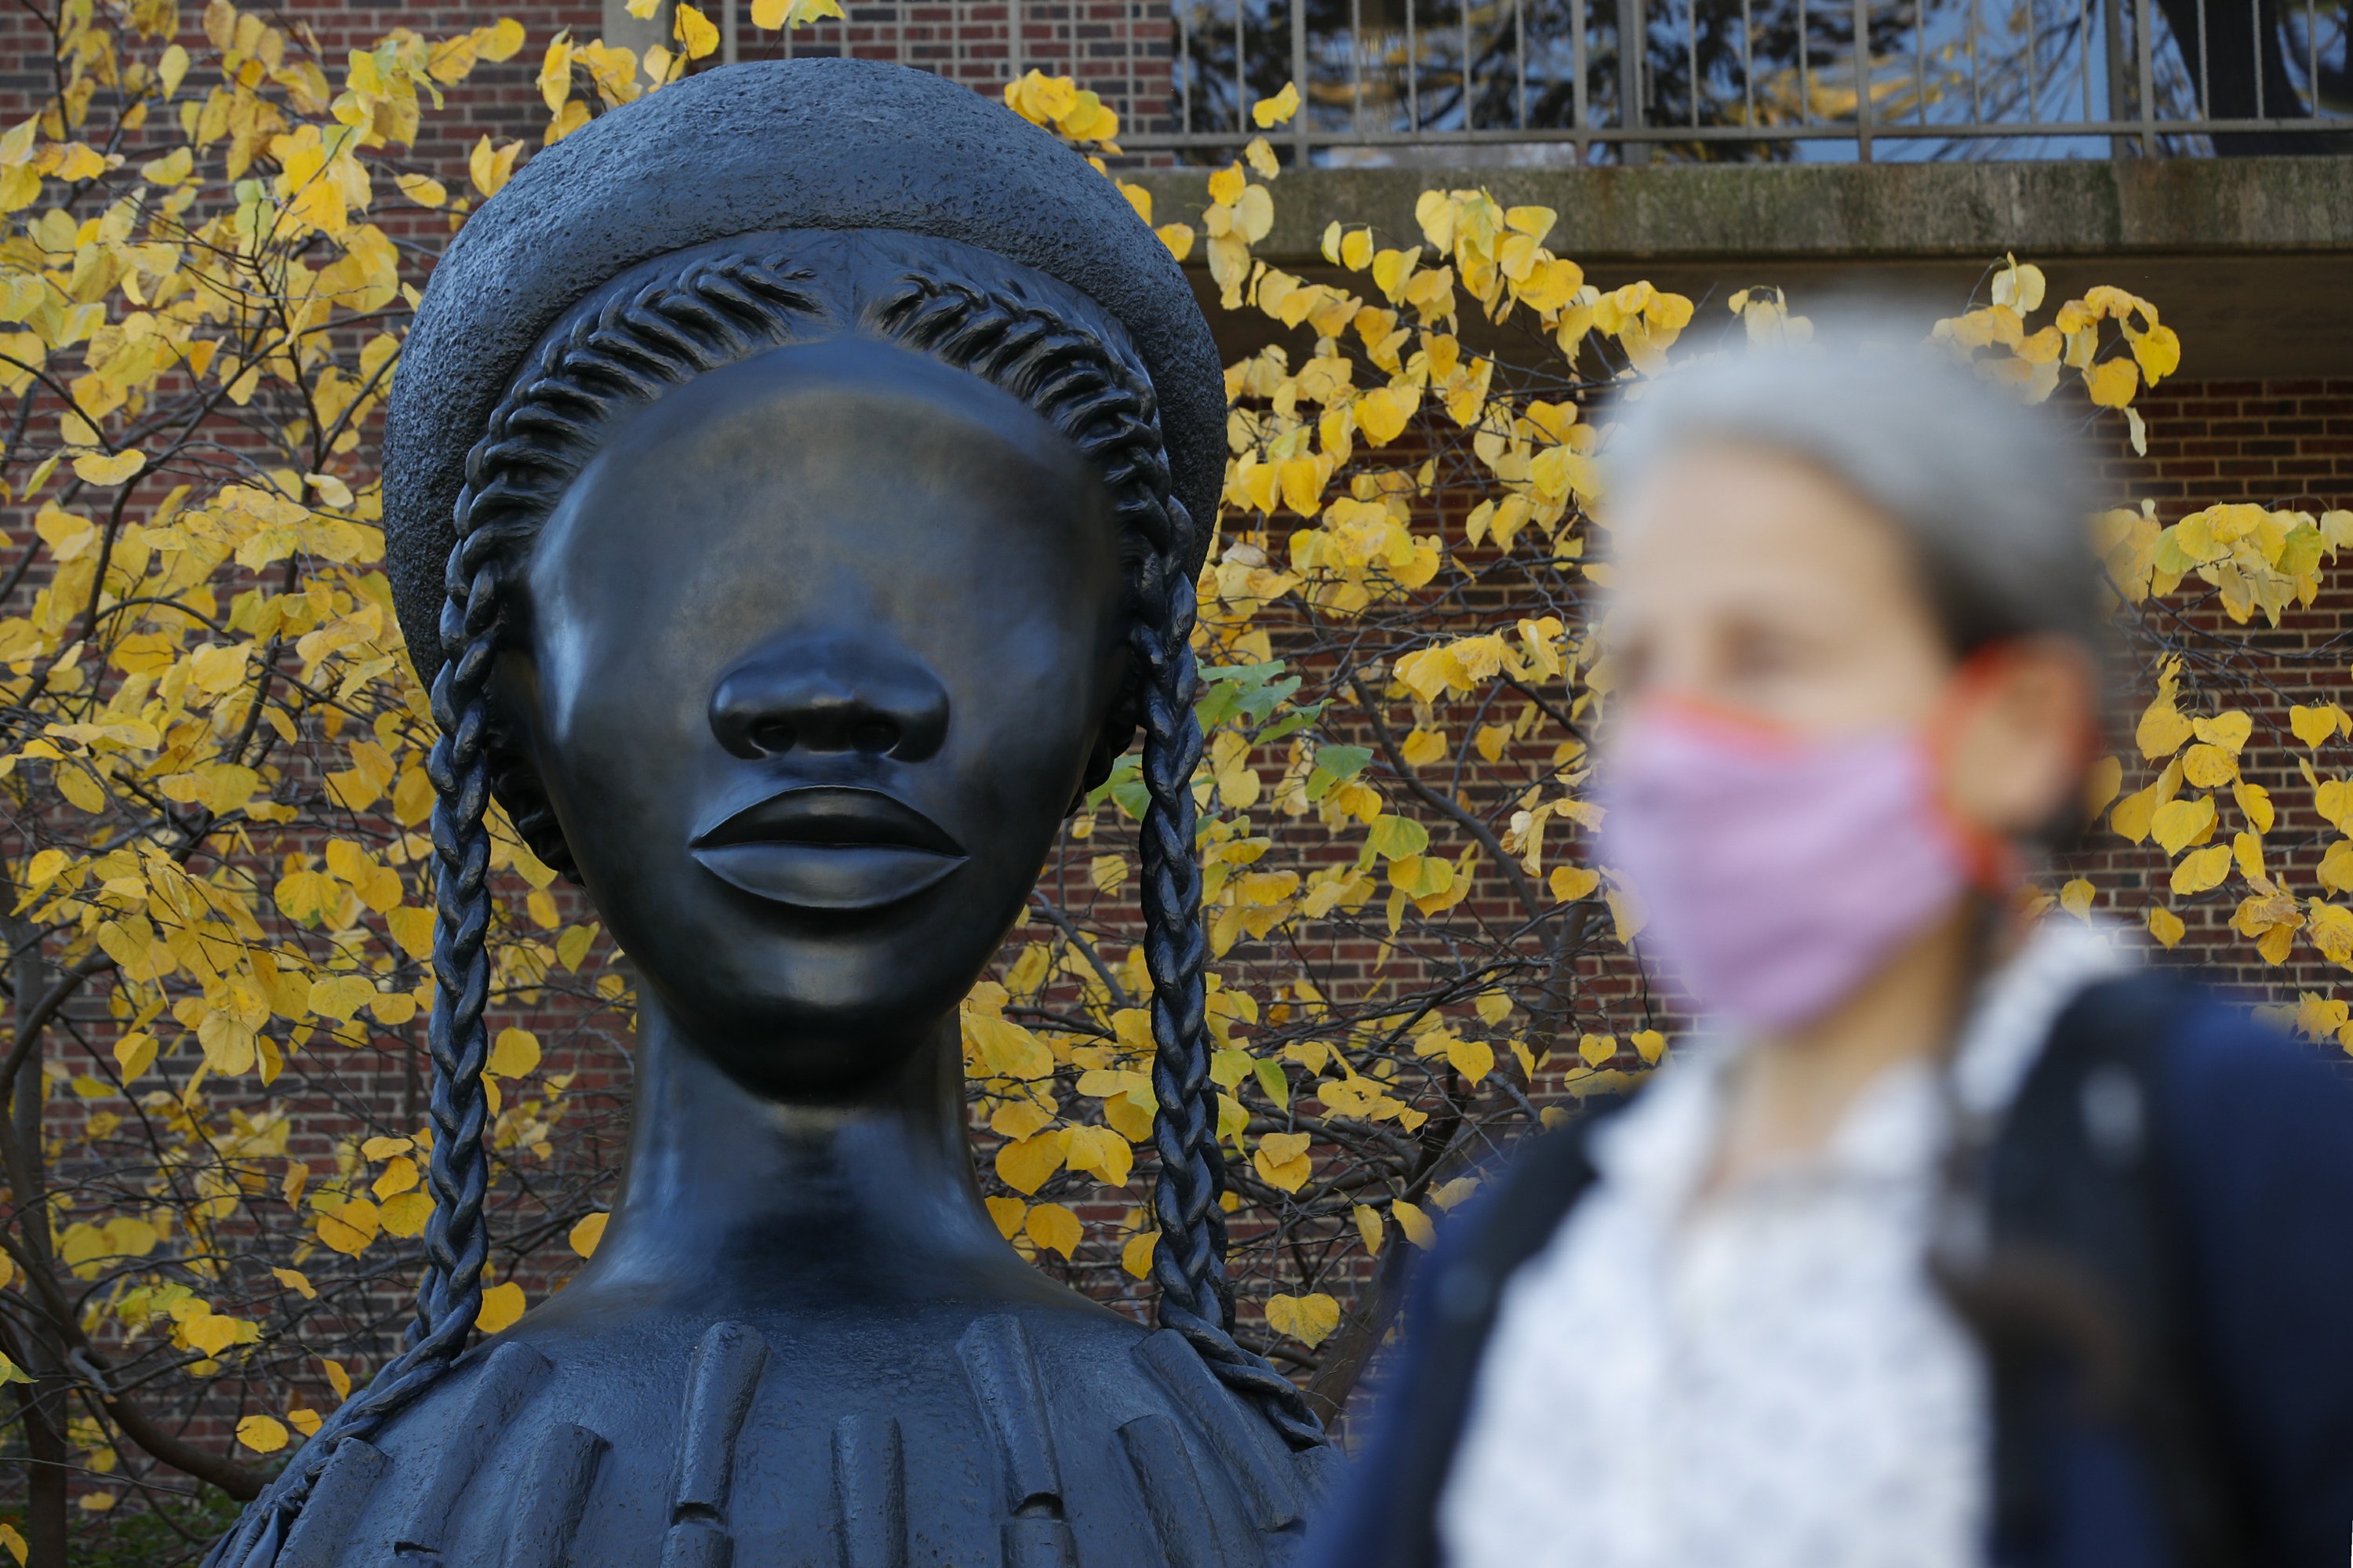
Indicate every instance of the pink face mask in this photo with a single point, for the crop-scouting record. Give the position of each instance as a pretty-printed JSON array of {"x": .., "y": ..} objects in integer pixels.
[{"x": 1779, "y": 871}]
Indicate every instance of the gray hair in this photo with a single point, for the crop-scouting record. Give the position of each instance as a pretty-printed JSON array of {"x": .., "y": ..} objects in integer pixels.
[{"x": 1991, "y": 496}]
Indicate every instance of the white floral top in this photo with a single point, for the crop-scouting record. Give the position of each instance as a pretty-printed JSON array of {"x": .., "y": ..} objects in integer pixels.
[{"x": 1767, "y": 1379}]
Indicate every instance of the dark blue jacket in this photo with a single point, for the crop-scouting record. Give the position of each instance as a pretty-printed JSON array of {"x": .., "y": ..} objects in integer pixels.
[{"x": 2218, "y": 1215}]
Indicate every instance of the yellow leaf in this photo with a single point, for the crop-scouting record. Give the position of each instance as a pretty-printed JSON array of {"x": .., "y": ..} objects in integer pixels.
[
  {"x": 1571, "y": 883},
  {"x": 1177, "y": 237},
  {"x": 170, "y": 169},
  {"x": 2157, "y": 351},
  {"x": 294, "y": 1279},
  {"x": 134, "y": 1053},
  {"x": 311, "y": 897},
  {"x": 2130, "y": 819},
  {"x": 110, "y": 471},
  {"x": 1284, "y": 1160},
  {"x": 2315, "y": 725},
  {"x": 555, "y": 74},
  {"x": 1101, "y": 1151},
  {"x": 1535, "y": 222},
  {"x": 1004, "y": 1048},
  {"x": 1052, "y": 1226},
  {"x": 2162, "y": 729},
  {"x": 1414, "y": 1224},
  {"x": 2113, "y": 382},
  {"x": 1268, "y": 112},
  {"x": 2100, "y": 786},
  {"x": 505, "y": 37},
  {"x": 413, "y": 930},
  {"x": 2209, "y": 767},
  {"x": 2177, "y": 824},
  {"x": 337, "y": 1378},
  {"x": 350, "y": 1227},
  {"x": 587, "y": 1234},
  {"x": 2255, "y": 804},
  {"x": 209, "y": 1332},
  {"x": 694, "y": 31},
  {"x": 1369, "y": 1228},
  {"x": 2164, "y": 925},
  {"x": 514, "y": 1055},
  {"x": 1025, "y": 1163},
  {"x": 262, "y": 1433},
  {"x": 2076, "y": 898},
  {"x": 1474, "y": 1059},
  {"x": 1310, "y": 1319},
  {"x": 9, "y": 1537},
  {"x": 1008, "y": 1213},
  {"x": 306, "y": 1422},
  {"x": 489, "y": 167},
  {"x": 501, "y": 1305},
  {"x": 2228, "y": 730},
  {"x": 1455, "y": 1192},
  {"x": 2202, "y": 871},
  {"x": 423, "y": 189},
  {"x": 1135, "y": 1253},
  {"x": 1423, "y": 747},
  {"x": 2331, "y": 927},
  {"x": 398, "y": 1177},
  {"x": 1650, "y": 1044},
  {"x": 2247, "y": 854},
  {"x": 405, "y": 1214}
]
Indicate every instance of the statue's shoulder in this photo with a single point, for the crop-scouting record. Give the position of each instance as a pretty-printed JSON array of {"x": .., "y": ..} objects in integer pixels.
[{"x": 1030, "y": 1435}]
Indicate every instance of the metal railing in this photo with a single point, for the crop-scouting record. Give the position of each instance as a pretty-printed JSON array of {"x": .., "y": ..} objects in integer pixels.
[
  {"x": 1761, "y": 80},
  {"x": 1631, "y": 82}
]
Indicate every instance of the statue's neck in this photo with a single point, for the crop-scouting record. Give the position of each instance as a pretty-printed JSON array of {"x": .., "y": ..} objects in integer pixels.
[{"x": 871, "y": 1196}]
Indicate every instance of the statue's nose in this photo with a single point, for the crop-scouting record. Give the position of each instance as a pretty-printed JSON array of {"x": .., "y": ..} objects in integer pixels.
[{"x": 829, "y": 694}]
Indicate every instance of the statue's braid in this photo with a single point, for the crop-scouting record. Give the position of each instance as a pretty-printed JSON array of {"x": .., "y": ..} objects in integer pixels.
[
  {"x": 712, "y": 314},
  {"x": 1107, "y": 409},
  {"x": 1188, "y": 1263}
]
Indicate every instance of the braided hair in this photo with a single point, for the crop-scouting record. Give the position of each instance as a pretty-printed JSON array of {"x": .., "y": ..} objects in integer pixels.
[{"x": 623, "y": 350}]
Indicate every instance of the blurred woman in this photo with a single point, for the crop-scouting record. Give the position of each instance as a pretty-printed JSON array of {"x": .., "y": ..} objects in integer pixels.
[{"x": 1955, "y": 1240}]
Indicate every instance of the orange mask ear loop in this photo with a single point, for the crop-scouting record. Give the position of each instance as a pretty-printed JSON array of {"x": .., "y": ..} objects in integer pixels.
[{"x": 1994, "y": 863}]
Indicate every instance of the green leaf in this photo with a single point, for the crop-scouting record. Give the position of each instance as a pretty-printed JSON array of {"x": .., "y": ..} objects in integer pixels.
[
  {"x": 1394, "y": 837},
  {"x": 1343, "y": 762},
  {"x": 1272, "y": 1079}
]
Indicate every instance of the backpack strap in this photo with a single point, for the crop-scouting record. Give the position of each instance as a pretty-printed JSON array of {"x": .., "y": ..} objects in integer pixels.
[
  {"x": 1450, "y": 1316},
  {"x": 2073, "y": 1185}
]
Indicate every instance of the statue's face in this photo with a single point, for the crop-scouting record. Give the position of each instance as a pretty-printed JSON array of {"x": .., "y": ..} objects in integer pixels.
[{"x": 819, "y": 643}]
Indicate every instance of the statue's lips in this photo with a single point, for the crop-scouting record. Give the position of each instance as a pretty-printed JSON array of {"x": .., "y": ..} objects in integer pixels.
[{"x": 829, "y": 847}]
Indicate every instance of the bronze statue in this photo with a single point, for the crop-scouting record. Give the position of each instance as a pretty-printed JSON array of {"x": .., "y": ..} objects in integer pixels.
[{"x": 795, "y": 483}]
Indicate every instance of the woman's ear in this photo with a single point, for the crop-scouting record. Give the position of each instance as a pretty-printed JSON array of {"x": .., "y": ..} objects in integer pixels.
[{"x": 2019, "y": 735}]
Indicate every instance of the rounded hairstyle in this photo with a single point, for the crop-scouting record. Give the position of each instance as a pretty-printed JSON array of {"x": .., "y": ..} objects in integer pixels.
[
  {"x": 654, "y": 329},
  {"x": 1989, "y": 496}
]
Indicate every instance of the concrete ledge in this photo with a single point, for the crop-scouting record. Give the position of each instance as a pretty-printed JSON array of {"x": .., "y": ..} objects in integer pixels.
[{"x": 1847, "y": 212}]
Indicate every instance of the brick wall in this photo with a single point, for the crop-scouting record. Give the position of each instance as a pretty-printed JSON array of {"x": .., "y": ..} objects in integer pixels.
[{"x": 2277, "y": 443}]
